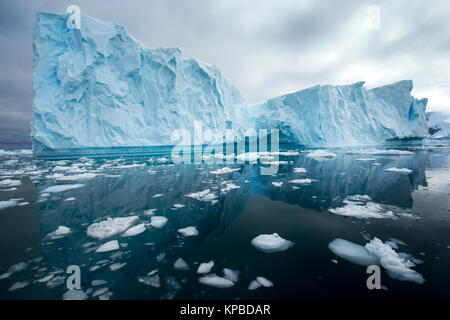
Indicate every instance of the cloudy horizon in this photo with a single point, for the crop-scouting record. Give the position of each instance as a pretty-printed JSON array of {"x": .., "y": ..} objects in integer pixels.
[{"x": 266, "y": 48}]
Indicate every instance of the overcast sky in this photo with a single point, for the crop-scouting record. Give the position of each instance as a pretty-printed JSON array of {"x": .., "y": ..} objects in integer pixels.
[{"x": 266, "y": 48}]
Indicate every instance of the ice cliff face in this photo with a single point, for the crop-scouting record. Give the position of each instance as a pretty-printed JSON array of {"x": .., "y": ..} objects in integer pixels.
[
  {"x": 96, "y": 86},
  {"x": 329, "y": 116}
]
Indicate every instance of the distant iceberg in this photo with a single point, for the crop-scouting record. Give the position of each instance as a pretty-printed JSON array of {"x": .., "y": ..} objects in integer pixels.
[{"x": 95, "y": 86}]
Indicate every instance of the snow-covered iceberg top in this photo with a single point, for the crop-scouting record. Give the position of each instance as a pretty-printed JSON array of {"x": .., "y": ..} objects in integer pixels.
[{"x": 95, "y": 86}]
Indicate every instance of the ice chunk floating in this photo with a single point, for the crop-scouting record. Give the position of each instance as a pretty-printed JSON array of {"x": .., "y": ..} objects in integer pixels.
[
  {"x": 94, "y": 85},
  {"x": 271, "y": 243}
]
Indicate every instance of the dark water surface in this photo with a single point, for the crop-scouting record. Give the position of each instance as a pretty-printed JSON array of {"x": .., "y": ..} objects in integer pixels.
[{"x": 226, "y": 225}]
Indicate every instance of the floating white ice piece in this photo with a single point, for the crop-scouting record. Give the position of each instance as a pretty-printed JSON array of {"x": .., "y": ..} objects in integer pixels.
[
  {"x": 61, "y": 188},
  {"x": 271, "y": 243},
  {"x": 352, "y": 252},
  {"x": 264, "y": 282},
  {"x": 74, "y": 294},
  {"x": 60, "y": 232},
  {"x": 110, "y": 227},
  {"x": 214, "y": 280},
  {"x": 300, "y": 170},
  {"x": 180, "y": 264},
  {"x": 321, "y": 154},
  {"x": 158, "y": 221},
  {"x": 361, "y": 207},
  {"x": 399, "y": 170},
  {"x": 397, "y": 267},
  {"x": 224, "y": 170},
  {"x": 134, "y": 231},
  {"x": 9, "y": 183},
  {"x": 277, "y": 184},
  {"x": 301, "y": 181},
  {"x": 188, "y": 231},
  {"x": 230, "y": 274},
  {"x": 205, "y": 267},
  {"x": 108, "y": 246}
]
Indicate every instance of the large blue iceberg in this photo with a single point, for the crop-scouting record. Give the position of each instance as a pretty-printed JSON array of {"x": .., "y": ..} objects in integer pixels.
[{"x": 95, "y": 86}]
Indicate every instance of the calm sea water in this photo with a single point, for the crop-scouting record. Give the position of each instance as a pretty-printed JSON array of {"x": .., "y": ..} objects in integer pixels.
[{"x": 245, "y": 205}]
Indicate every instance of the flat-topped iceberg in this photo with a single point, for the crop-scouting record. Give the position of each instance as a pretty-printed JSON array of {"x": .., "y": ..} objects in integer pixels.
[
  {"x": 95, "y": 86},
  {"x": 348, "y": 115}
]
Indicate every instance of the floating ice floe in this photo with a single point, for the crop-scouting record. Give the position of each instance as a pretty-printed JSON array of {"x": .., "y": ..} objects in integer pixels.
[
  {"x": 158, "y": 221},
  {"x": 205, "y": 267},
  {"x": 352, "y": 252},
  {"x": 110, "y": 227},
  {"x": 389, "y": 152},
  {"x": 399, "y": 170},
  {"x": 361, "y": 207},
  {"x": 10, "y": 203},
  {"x": 117, "y": 266},
  {"x": 229, "y": 186},
  {"x": 60, "y": 232},
  {"x": 180, "y": 264},
  {"x": 397, "y": 266},
  {"x": 301, "y": 181},
  {"x": 15, "y": 152},
  {"x": 108, "y": 246},
  {"x": 277, "y": 184},
  {"x": 249, "y": 157},
  {"x": 100, "y": 291},
  {"x": 321, "y": 154},
  {"x": 69, "y": 199},
  {"x": 365, "y": 159},
  {"x": 260, "y": 281},
  {"x": 7, "y": 183},
  {"x": 98, "y": 282},
  {"x": 62, "y": 188},
  {"x": 153, "y": 280},
  {"x": 158, "y": 195},
  {"x": 230, "y": 274},
  {"x": 9, "y": 189},
  {"x": 214, "y": 280},
  {"x": 271, "y": 243},
  {"x": 18, "y": 285},
  {"x": 188, "y": 231},
  {"x": 224, "y": 170},
  {"x": 178, "y": 205},
  {"x": 300, "y": 170},
  {"x": 134, "y": 231},
  {"x": 205, "y": 195},
  {"x": 376, "y": 164},
  {"x": 74, "y": 294}
]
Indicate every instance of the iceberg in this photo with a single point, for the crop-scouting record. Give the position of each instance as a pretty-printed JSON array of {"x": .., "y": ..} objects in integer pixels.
[
  {"x": 341, "y": 116},
  {"x": 95, "y": 86}
]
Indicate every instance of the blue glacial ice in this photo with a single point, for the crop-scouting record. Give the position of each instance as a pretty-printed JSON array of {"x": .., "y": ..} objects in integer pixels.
[{"x": 95, "y": 86}]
